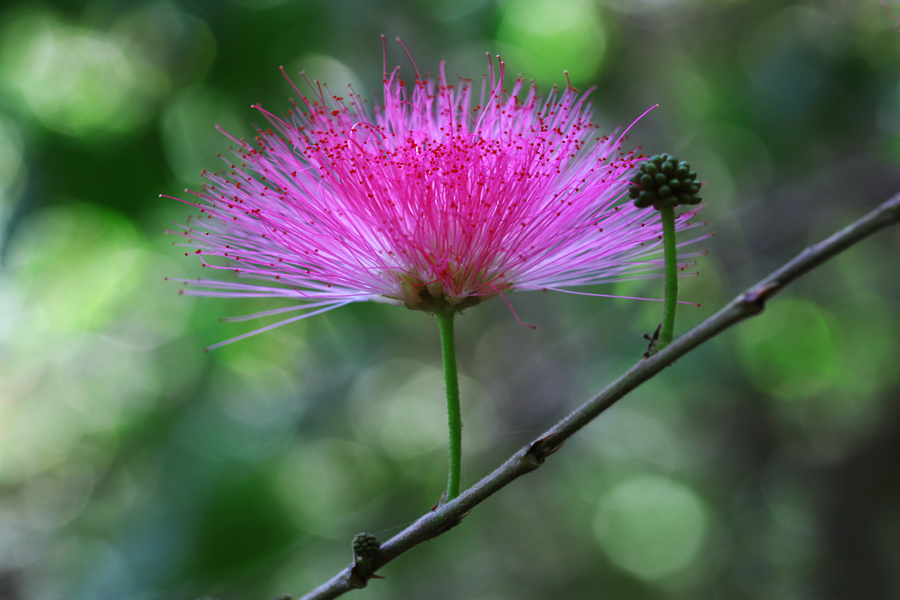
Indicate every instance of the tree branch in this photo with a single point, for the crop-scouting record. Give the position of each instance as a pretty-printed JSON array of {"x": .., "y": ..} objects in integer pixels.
[{"x": 748, "y": 304}]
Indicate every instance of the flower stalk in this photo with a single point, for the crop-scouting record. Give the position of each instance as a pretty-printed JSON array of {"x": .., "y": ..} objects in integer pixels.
[
  {"x": 454, "y": 414},
  {"x": 671, "y": 270},
  {"x": 664, "y": 183}
]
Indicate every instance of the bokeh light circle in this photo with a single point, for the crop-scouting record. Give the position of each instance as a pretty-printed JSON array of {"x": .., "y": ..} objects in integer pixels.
[
  {"x": 651, "y": 526},
  {"x": 543, "y": 38}
]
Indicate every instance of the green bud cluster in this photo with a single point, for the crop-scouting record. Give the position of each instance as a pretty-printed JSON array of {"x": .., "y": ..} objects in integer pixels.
[
  {"x": 663, "y": 180},
  {"x": 365, "y": 546}
]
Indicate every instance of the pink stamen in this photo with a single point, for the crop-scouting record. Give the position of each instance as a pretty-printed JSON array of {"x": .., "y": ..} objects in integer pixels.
[{"x": 471, "y": 190}]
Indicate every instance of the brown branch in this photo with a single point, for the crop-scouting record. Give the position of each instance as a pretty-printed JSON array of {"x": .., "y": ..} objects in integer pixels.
[{"x": 750, "y": 303}]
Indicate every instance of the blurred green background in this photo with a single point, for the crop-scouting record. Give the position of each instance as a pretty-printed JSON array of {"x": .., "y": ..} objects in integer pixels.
[{"x": 136, "y": 467}]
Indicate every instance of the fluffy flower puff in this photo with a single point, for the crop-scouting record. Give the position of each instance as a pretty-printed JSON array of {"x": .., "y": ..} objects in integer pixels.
[{"x": 438, "y": 198}]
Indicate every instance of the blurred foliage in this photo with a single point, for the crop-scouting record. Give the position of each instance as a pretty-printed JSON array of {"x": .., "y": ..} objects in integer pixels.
[{"x": 136, "y": 467}]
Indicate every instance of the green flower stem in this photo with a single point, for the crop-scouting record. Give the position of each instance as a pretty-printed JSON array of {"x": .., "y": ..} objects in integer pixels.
[
  {"x": 667, "y": 213},
  {"x": 454, "y": 415}
]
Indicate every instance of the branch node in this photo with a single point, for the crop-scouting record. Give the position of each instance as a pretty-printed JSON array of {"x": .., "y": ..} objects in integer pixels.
[
  {"x": 755, "y": 298},
  {"x": 365, "y": 549},
  {"x": 538, "y": 451},
  {"x": 451, "y": 524},
  {"x": 355, "y": 579}
]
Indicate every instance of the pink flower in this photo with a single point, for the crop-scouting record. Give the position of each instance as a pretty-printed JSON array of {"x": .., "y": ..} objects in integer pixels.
[{"x": 439, "y": 198}]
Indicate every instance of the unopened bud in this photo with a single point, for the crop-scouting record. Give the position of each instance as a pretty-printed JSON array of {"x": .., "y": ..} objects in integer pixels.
[{"x": 664, "y": 180}]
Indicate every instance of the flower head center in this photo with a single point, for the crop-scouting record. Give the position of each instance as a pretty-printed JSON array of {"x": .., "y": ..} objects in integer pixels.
[{"x": 434, "y": 298}]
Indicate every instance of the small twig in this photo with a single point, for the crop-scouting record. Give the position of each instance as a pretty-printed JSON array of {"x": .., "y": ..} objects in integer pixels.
[{"x": 750, "y": 303}]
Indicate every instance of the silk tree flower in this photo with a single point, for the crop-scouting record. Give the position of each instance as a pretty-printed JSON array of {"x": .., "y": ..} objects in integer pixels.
[{"x": 437, "y": 197}]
